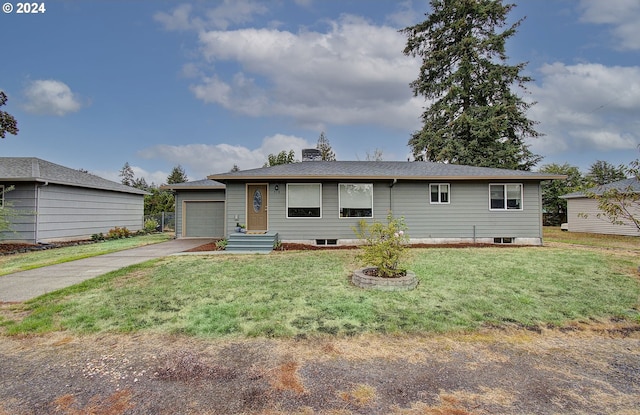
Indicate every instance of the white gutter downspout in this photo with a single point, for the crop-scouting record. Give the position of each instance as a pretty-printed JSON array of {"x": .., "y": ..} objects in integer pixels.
[{"x": 393, "y": 183}]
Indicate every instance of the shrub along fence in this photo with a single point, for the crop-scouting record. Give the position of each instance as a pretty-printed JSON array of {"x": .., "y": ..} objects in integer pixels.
[{"x": 166, "y": 221}]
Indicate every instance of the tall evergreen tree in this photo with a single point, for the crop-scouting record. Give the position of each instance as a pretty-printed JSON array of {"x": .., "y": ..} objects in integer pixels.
[
  {"x": 8, "y": 123},
  {"x": 127, "y": 175},
  {"x": 326, "y": 152},
  {"x": 177, "y": 175},
  {"x": 603, "y": 172},
  {"x": 475, "y": 118}
]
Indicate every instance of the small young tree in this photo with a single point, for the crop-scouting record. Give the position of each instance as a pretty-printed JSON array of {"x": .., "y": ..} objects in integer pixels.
[
  {"x": 384, "y": 245},
  {"x": 621, "y": 206}
]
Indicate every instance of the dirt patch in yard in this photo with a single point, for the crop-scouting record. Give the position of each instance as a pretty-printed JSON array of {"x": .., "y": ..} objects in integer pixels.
[{"x": 584, "y": 368}]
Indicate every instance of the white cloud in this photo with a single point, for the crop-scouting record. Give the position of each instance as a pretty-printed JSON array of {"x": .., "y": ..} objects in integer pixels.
[
  {"x": 201, "y": 160},
  {"x": 225, "y": 14},
  {"x": 50, "y": 97},
  {"x": 623, "y": 15},
  {"x": 178, "y": 19},
  {"x": 353, "y": 73},
  {"x": 405, "y": 16},
  {"x": 587, "y": 107}
]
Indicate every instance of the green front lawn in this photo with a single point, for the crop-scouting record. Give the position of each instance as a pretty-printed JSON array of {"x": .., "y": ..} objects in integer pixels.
[
  {"x": 300, "y": 294},
  {"x": 36, "y": 259}
]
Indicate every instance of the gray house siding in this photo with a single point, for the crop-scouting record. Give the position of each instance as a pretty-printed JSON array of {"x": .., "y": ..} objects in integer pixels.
[
  {"x": 191, "y": 220},
  {"x": 67, "y": 212},
  {"x": 22, "y": 199},
  {"x": 467, "y": 218}
]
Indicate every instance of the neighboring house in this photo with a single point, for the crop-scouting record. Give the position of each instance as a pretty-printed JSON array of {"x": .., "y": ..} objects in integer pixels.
[
  {"x": 59, "y": 203},
  {"x": 199, "y": 208},
  {"x": 583, "y": 214},
  {"x": 318, "y": 202}
]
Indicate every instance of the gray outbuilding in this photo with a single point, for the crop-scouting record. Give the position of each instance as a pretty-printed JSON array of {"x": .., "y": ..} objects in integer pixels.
[
  {"x": 584, "y": 215},
  {"x": 55, "y": 203}
]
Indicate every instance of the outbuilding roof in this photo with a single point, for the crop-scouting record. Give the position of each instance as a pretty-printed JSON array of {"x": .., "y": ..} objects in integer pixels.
[
  {"x": 32, "y": 169},
  {"x": 631, "y": 185},
  {"x": 205, "y": 184},
  {"x": 379, "y": 170}
]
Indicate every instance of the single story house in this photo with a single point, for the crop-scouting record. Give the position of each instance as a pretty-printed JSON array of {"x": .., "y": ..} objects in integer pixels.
[
  {"x": 319, "y": 202},
  {"x": 583, "y": 214},
  {"x": 56, "y": 203},
  {"x": 200, "y": 208}
]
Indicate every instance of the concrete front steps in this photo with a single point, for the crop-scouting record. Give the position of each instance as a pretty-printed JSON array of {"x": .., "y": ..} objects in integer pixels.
[{"x": 262, "y": 243}]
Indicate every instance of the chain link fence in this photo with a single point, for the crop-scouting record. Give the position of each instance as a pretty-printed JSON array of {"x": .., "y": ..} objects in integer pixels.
[{"x": 166, "y": 221}]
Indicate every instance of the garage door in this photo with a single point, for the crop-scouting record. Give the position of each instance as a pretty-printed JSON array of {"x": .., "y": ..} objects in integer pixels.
[{"x": 204, "y": 219}]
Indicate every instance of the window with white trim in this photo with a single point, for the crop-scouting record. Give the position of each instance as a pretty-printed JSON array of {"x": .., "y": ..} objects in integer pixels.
[
  {"x": 505, "y": 196},
  {"x": 304, "y": 200},
  {"x": 439, "y": 193},
  {"x": 1, "y": 195},
  {"x": 355, "y": 200}
]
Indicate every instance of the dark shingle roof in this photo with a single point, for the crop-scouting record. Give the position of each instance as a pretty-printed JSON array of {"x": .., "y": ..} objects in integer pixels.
[
  {"x": 31, "y": 169},
  {"x": 204, "y": 184},
  {"x": 371, "y": 170},
  {"x": 627, "y": 185}
]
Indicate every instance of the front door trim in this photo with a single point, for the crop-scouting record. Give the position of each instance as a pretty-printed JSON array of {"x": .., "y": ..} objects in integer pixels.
[{"x": 256, "y": 209}]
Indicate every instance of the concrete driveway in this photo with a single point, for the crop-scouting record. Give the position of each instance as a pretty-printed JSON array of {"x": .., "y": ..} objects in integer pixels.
[{"x": 22, "y": 286}]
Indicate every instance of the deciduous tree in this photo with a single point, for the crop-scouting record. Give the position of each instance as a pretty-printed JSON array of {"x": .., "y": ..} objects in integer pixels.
[
  {"x": 621, "y": 206},
  {"x": 554, "y": 206},
  {"x": 473, "y": 116},
  {"x": 281, "y": 158},
  {"x": 8, "y": 123}
]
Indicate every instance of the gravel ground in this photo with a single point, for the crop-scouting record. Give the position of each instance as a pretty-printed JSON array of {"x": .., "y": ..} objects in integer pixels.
[{"x": 582, "y": 369}]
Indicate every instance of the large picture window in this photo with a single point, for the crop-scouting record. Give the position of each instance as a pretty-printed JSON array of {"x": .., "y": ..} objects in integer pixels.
[
  {"x": 505, "y": 196},
  {"x": 356, "y": 200},
  {"x": 439, "y": 193},
  {"x": 304, "y": 200}
]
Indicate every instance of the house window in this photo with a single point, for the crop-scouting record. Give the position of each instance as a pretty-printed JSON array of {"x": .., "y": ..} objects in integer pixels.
[
  {"x": 439, "y": 193},
  {"x": 505, "y": 196},
  {"x": 1, "y": 195},
  {"x": 356, "y": 200},
  {"x": 304, "y": 200}
]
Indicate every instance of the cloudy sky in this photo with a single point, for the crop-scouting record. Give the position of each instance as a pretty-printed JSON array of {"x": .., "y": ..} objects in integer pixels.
[{"x": 213, "y": 84}]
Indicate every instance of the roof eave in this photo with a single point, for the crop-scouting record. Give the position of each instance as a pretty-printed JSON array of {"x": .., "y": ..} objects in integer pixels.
[
  {"x": 168, "y": 187},
  {"x": 224, "y": 178}
]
